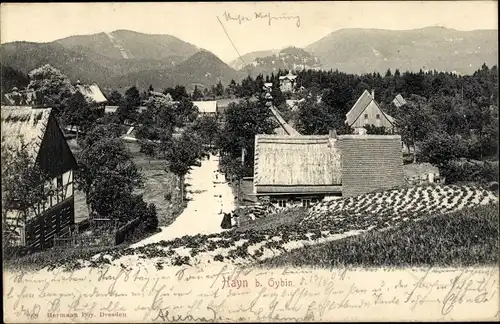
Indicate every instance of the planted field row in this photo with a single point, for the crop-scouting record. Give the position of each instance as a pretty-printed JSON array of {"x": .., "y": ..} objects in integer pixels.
[{"x": 326, "y": 222}]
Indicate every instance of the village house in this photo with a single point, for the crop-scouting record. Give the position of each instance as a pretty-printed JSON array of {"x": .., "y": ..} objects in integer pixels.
[
  {"x": 46, "y": 145},
  {"x": 287, "y": 82},
  {"x": 19, "y": 97},
  {"x": 301, "y": 170},
  {"x": 93, "y": 94},
  {"x": 206, "y": 108},
  {"x": 268, "y": 85},
  {"x": 399, "y": 101},
  {"x": 366, "y": 112}
]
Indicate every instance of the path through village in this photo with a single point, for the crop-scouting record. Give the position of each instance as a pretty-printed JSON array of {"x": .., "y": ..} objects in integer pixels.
[{"x": 209, "y": 195}]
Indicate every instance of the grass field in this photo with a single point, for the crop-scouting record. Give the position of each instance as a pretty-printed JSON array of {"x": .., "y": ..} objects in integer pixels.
[{"x": 158, "y": 184}]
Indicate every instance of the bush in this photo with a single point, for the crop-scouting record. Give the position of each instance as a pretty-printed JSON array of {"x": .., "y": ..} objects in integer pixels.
[{"x": 481, "y": 172}]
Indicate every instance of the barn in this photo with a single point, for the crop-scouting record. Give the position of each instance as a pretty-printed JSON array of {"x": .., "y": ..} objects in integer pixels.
[
  {"x": 366, "y": 112},
  {"x": 46, "y": 145},
  {"x": 300, "y": 170}
]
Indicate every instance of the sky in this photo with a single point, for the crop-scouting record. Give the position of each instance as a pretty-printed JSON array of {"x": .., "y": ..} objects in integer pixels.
[{"x": 206, "y": 24}]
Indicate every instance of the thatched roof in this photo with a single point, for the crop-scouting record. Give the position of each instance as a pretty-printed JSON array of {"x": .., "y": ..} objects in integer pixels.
[
  {"x": 359, "y": 107},
  {"x": 24, "y": 97},
  {"x": 289, "y": 164},
  {"x": 24, "y": 124},
  {"x": 205, "y": 107},
  {"x": 319, "y": 164},
  {"x": 93, "y": 92},
  {"x": 284, "y": 128}
]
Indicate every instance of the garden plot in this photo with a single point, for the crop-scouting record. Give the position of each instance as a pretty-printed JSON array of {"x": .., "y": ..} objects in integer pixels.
[{"x": 327, "y": 221}]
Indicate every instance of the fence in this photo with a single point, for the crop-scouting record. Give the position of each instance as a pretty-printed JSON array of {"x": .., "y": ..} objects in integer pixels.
[
  {"x": 85, "y": 241},
  {"x": 126, "y": 231},
  {"x": 105, "y": 239}
]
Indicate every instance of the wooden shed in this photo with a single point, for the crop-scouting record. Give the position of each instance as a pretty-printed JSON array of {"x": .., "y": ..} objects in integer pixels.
[{"x": 46, "y": 145}]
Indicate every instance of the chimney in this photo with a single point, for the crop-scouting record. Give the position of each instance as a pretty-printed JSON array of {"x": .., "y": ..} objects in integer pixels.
[
  {"x": 373, "y": 93},
  {"x": 333, "y": 133}
]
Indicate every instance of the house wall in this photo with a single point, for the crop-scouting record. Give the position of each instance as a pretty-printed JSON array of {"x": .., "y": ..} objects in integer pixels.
[
  {"x": 40, "y": 231},
  {"x": 296, "y": 200},
  {"x": 372, "y": 111},
  {"x": 57, "y": 213},
  {"x": 370, "y": 163},
  {"x": 286, "y": 85}
]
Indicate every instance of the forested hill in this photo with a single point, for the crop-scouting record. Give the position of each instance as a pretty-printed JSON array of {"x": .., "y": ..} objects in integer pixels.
[{"x": 357, "y": 50}]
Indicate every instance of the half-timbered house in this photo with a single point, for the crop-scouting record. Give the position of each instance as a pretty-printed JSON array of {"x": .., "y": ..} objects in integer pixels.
[{"x": 39, "y": 132}]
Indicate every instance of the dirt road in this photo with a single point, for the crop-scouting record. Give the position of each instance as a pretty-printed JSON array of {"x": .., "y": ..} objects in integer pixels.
[{"x": 209, "y": 196}]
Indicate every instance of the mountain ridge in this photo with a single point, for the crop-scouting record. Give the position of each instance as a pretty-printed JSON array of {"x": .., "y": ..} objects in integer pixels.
[{"x": 114, "y": 58}]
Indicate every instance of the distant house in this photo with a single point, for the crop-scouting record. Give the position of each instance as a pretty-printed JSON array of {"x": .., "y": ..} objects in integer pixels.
[
  {"x": 268, "y": 85},
  {"x": 366, "y": 112},
  {"x": 208, "y": 108},
  {"x": 93, "y": 94},
  {"x": 19, "y": 97},
  {"x": 399, "y": 101},
  {"x": 39, "y": 130},
  {"x": 287, "y": 82},
  {"x": 301, "y": 170}
]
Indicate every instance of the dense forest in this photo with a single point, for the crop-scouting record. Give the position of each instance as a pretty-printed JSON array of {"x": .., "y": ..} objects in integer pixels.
[{"x": 447, "y": 118}]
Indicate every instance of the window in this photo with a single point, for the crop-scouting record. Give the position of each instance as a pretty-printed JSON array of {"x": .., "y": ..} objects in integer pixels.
[
  {"x": 366, "y": 116},
  {"x": 59, "y": 189},
  {"x": 306, "y": 203},
  {"x": 282, "y": 203},
  {"x": 378, "y": 116}
]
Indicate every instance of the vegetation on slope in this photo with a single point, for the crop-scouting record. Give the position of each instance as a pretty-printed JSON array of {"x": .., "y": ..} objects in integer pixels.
[{"x": 466, "y": 237}]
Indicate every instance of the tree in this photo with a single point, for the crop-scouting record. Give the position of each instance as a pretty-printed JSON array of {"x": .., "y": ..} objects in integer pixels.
[
  {"x": 413, "y": 121},
  {"x": 106, "y": 175},
  {"x": 278, "y": 97},
  {"x": 132, "y": 97},
  {"x": 100, "y": 132},
  {"x": 115, "y": 98},
  {"x": 219, "y": 89},
  {"x": 440, "y": 148},
  {"x": 129, "y": 110},
  {"x": 177, "y": 93},
  {"x": 78, "y": 112},
  {"x": 197, "y": 94},
  {"x": 375, "y": 130},
  {"x": 156, "y": 125},
  {"x": 185, "y": 111},
  {"x": 232, "y": 88},
  {"x": 317, "y": 118},
  {"x": 185, "y": 151},
  {"x": 51, "y": 86},
  {"x": 24, "y": 187},
  {"x": 207, "y": 128},
  {"x": 242, "y": 122}
]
